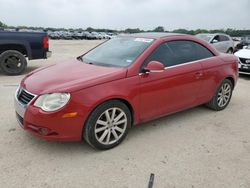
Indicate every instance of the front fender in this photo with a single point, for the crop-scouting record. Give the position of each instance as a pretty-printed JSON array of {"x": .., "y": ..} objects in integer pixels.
[{"x": 126, "y": 89}]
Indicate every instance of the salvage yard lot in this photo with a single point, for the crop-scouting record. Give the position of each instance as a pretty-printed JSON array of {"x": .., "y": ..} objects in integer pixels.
[{"x": 194, "y": 148}]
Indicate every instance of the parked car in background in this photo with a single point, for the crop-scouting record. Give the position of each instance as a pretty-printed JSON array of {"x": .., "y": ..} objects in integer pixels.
[
  {"x": 112, "y": 35},
  {"x": 104, "y": 35},
  {"x": 97, "y": 35},
  {"x": 222, "y": 42},
  {"x": 89, "y": 35},
  {"x": 76, "y": 35},
  {"x": 15, "y": 47},
  {"x": 244, "y": 56},
  {"x": 54, "y": 35},
  {"x": 121, "y": 83},
  {"x": 245, "y": 41},
  {"x": 66, "y": 35}
]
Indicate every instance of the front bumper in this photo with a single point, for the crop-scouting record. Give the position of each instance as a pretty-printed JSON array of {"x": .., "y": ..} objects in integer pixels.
[
  {"x": 50, "y": 126},
  {"x": 244, "y": 69}
]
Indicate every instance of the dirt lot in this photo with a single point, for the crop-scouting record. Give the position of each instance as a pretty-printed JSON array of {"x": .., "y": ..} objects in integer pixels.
[{"x": 194, "y": 148}]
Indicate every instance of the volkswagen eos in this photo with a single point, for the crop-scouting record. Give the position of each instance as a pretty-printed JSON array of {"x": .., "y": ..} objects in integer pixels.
[{"x": 121, "y": 83}]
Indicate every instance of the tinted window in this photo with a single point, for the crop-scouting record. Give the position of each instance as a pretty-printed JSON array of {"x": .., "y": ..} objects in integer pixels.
[
  {"x": 179, "y": 52},
  {"x": 161, "y": 54},
  {"x": 202, "y": 52},
  {"x": 224, "y": 38}
]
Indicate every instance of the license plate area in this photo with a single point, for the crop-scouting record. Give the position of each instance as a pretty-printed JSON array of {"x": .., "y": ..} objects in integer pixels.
[{"x": 245, "y": 67}]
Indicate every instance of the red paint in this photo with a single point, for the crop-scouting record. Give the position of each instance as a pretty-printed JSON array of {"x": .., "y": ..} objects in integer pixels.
[
  {"x": 150, "y": 95},
  {"x": 154, "y": 66}
]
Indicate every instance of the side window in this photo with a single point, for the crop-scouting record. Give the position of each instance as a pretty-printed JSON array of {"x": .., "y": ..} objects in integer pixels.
[
  {"x": 227, "y": 38},
  {"x": 183, "y": 52},
  {"x": 224, "y": 38},
  {"x": 162, "y": 54},
  {"x": 217, "y": 37},
  {"x": 202, "y": 52},
  {"x": 179, "y": 52}
]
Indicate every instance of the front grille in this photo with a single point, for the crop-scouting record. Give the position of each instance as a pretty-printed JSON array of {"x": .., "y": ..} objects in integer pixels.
[
  {"x": 245, "y": 61},
  {"x": 24, "y": 97}
]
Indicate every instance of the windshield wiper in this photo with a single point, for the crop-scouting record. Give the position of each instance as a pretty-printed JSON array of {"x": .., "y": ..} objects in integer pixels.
[
  {"x": 87, "y": 62},
  {"x": 90, "y": 63},
  {"x": 79, "y": 58}
]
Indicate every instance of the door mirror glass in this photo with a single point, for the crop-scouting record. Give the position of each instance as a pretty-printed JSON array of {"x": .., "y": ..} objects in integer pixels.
[{"x": 154, "y": 66}]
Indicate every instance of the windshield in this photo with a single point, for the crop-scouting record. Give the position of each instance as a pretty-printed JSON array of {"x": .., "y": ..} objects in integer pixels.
[
  {"x": 117, "y": 52},
  {"x": 205, "y": 37}
]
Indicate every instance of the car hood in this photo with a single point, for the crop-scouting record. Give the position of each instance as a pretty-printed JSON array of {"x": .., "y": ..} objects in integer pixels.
[
  {"x": 70, "y": 77},
  {"x": 244, "y": 53}
]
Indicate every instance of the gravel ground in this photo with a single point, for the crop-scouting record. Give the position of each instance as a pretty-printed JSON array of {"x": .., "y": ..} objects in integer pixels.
[{"x": 194, "y": 148}]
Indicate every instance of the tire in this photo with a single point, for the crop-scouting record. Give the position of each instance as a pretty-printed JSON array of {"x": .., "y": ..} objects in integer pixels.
[
  {"x": 12, "y": 62},
  {"x": 230, "y": 51},
  {"x": 222, "y": 96},
  {"x": 103, "y": 134}
]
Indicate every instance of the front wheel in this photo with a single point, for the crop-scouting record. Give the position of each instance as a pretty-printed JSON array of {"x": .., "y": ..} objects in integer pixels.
[
  {"x": 222, "y": 96},
  {"x": 107, "y": 125}
]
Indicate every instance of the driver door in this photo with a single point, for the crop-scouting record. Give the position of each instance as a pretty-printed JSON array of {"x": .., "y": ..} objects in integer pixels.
[{"x": 174, "y": 89}]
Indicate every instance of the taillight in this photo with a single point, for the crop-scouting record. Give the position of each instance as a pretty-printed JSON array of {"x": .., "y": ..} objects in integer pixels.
[{"x": 46, "y": 42}]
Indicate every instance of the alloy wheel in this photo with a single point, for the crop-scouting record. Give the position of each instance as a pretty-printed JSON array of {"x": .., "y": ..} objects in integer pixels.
[
  {"x": 111, "y": 126},
  {"x": 224, "y": 95}
]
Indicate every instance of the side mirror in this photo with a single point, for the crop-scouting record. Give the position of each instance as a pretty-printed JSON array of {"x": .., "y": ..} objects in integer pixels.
[
  {"x": 154, "y": 66},
  {"x": 214, "y": 41},
  {"x": 245, "y": 47}
]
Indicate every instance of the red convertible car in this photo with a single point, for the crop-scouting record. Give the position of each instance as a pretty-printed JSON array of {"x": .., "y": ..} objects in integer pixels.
[{"x": 124, "y": 81}]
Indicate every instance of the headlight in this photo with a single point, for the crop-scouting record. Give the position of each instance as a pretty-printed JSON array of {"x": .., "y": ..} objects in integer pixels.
[{"x": 52, "y": 102}]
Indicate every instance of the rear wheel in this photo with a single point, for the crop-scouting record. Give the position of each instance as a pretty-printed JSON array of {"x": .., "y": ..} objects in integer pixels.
[
  {"x": 12, "y": 62},
  {"x": 222, "y": 96},
  {"x": 107, "y": 125}
]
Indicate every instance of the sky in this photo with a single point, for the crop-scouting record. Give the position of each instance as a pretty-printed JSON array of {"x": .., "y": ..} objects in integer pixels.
[{"x": 122, "y": 14}]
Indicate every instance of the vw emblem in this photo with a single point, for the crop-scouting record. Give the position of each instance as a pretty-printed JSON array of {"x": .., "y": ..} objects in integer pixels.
[{"x": 248, "y": 61}]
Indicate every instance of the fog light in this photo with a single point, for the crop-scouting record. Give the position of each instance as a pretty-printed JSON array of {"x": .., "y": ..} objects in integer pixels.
[{"x": 43, "y": 131}]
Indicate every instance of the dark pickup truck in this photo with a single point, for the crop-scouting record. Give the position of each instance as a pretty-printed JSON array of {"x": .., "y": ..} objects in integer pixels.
[{"x": 16, "y": 47}]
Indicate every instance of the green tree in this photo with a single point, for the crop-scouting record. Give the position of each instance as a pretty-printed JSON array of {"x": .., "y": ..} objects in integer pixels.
[
  {"x": 129, "y": 30},
  {"x": 159, "y": 29},
  {"x": 2, "y": 25},
  {"x": 90, "y": 29}
]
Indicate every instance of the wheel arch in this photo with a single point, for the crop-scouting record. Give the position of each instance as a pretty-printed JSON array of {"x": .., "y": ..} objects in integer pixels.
[
  {"x": 126, "y": 102},
  {"x": 23, "y": 48},
  {"x": 231, "y": 79}
]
